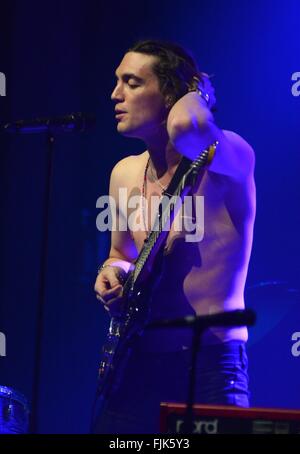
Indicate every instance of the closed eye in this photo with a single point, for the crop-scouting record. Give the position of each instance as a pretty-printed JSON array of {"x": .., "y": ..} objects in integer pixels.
[
  {"x": 133, "y": 85},
  {"x": 132, "y": 80}
]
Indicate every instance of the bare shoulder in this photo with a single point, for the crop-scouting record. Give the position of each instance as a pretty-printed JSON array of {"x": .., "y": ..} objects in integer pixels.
[
  {"x": 236, "y": 139},
  {"x": 244, "y": 148},
  {"x": 240, "y": 193},
  {"x": 128, "y": 169}
]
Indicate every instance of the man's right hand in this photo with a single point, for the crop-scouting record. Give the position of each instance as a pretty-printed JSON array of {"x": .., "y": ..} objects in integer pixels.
[{"x": 109, "y": 288}]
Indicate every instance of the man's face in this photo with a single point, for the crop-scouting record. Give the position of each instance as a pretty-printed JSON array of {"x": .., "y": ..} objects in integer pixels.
[{"x": 139, "y": 101}]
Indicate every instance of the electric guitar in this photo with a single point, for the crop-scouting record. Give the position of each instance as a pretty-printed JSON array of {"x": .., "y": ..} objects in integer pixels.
[{"x": 124, "y": 329}]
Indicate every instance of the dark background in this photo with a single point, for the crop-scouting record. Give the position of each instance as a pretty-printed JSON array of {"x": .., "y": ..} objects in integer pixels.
[{"x": 60, "y": 57}]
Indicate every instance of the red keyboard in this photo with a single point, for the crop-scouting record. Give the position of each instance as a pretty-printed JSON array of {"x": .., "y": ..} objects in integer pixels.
[{"x": 213, "y": 419}]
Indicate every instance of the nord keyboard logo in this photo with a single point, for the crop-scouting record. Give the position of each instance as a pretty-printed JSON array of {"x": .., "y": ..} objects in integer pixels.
[
  {"x": 2, "y": 84},
  {"x": 2, "y": 344},
  {"x": 200, "y": 427}
]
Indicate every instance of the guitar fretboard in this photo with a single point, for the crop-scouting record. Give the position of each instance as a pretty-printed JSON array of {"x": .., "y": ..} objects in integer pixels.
[{"x": 166, "y": 211}]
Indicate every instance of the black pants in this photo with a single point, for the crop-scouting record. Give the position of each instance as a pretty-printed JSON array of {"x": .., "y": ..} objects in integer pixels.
[{"x": 151, "y": 378}]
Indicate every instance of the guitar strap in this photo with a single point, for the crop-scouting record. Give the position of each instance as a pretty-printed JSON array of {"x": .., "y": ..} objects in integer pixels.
[
  {"x": 182, "y": 168},
  {"x": 185, "y": 164}
]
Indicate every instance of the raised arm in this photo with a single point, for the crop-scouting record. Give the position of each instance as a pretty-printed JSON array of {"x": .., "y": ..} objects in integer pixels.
[{"x": 191, "y": 128}]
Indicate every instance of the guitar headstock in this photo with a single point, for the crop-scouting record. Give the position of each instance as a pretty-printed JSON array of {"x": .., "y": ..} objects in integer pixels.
[{"x": 205, "y": 157}]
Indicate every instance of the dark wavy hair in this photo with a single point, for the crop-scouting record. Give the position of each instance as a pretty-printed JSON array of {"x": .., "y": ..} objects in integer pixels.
[{"x": 175, "y": 67}]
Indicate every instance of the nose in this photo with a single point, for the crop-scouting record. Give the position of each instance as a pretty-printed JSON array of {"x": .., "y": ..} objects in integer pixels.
[{"x": 117, "y": 94}]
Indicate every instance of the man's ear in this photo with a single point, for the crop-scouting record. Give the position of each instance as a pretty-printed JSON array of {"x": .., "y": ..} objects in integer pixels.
[{"x": 169, "y": 101}]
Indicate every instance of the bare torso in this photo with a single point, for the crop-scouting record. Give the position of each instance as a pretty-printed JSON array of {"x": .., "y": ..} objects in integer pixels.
[{"x": 204, "y": 276}]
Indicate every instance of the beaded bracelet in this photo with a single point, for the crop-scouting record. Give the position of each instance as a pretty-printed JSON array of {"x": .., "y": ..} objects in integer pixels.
[
  {"x": 101, "y": 267},
  {"x": 119, "y": 274},
  {"x": 202, "y": 94}
]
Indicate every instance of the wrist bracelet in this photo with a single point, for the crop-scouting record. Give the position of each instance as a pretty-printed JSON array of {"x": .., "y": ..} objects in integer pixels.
[
  {"x": 202, "y": 94},
  {"x": 119, "y": 274},
  {"x": 101, "y": 267}
]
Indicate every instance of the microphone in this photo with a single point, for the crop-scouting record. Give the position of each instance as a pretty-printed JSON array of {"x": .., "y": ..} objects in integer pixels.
[
  {"x": 238, "y": 317},
  {"x": 74, "y": 122}
]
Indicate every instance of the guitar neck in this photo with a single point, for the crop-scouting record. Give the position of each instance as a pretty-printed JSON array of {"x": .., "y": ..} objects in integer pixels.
[{"x": 181, "y": 184}]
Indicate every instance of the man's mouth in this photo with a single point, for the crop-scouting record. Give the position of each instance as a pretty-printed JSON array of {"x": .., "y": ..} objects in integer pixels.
[{"x": 120, "y": 115}]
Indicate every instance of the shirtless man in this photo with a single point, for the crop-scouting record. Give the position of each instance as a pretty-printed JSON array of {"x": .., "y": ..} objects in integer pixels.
[{"x": 157, "y": 104}]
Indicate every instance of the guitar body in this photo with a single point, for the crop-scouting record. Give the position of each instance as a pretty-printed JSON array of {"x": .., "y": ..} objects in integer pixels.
[{"x": 124, "y": 330}]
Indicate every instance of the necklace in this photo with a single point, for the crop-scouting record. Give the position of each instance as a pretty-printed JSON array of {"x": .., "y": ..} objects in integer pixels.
[
  {"x": 144, "y": 194},
  {"x": 143, "y": 197},
  {"x": 155, "y": 178}
]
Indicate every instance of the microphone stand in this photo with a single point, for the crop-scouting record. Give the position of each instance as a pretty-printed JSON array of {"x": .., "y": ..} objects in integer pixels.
[
  {"x": 75, "y": 122},
  {"x": 33, "y": 425},
  {"x": 199, "y": 324},
  {"x": 50, "y": 138},
  {"x": 198, "y": 330}
]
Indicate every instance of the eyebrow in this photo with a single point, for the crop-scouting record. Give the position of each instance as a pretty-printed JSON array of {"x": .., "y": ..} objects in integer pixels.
[{"x": 127, "y": 76}]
